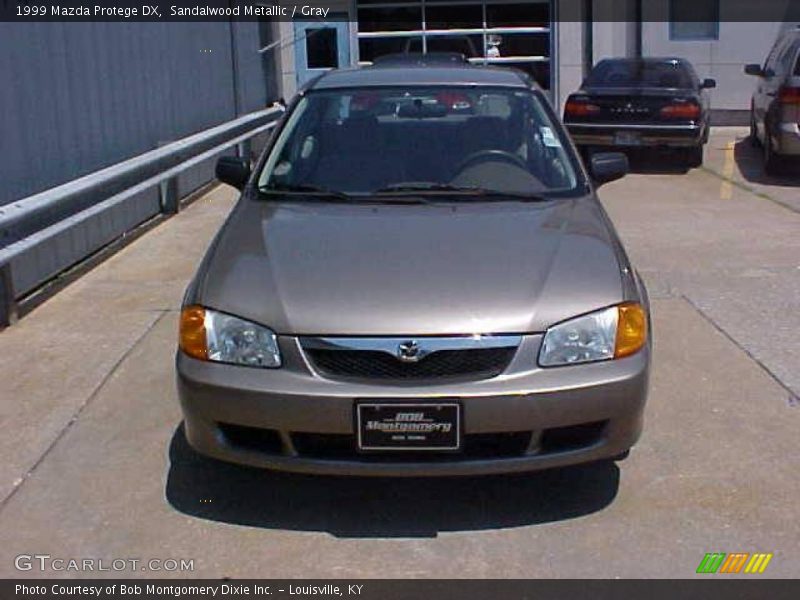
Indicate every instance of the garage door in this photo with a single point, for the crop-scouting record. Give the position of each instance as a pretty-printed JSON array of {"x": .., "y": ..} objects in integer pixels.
[{"x": 504, "y": 32}]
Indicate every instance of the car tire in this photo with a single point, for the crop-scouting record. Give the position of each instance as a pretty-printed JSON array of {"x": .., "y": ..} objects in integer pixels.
[
  {"x": 693, "y": 157},
  {"x": 773, "y": 165},
  {"x": 753, "y": 139}
]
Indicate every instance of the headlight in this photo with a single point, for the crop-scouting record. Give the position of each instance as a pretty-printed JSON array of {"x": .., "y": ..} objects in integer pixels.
[
  {"x": 209, "y": 335},
  {"x": 609, "y": 333}
]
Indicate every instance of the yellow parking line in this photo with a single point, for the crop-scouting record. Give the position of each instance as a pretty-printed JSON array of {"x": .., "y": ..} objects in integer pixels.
[{"x": 726, "y": 189}]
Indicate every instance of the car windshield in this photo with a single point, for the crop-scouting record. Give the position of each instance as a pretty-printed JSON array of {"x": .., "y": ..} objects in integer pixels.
[
  {"x": 440, "y": 139},
  {"x": 626, "y": 73}
]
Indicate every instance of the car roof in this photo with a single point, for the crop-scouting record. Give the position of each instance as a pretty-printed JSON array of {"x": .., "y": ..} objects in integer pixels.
[{"x": 392, "y": 75}]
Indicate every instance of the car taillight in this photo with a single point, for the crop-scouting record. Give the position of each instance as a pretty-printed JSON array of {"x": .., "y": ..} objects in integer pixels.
[
  {"x": 789, "y": 95},
  {"x": 580, "y": 108},
  {"x": 789, "y": 100},
  {"x": 681, "y": 110}
]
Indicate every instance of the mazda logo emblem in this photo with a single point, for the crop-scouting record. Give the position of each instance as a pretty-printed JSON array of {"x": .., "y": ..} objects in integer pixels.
[{"x": 408, "y": 351}]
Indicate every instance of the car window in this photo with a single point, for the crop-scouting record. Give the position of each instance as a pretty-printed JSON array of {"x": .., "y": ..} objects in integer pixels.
[
  {"x": 792, "y": 58},
  {"x": 785, "y": 58},
  {"x": 772, "y": 57},
  {"x": 366, "y": 140},
  {"x": 624, "y": 73}
]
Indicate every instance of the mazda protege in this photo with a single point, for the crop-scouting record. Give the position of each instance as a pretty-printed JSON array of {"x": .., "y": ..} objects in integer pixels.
[{"x": 418, "y": 279}]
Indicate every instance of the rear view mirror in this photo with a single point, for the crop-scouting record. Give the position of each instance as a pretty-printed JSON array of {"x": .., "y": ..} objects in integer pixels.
[
  {"x": 709, "y": 83},
  {"x": 608, "y": 166},
  {"x": 754, "y": 70},
  {"x": 233, "y": 170}
]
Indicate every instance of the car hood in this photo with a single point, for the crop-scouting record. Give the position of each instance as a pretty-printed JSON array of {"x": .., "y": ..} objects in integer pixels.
[{"x": 314, "y": 268}]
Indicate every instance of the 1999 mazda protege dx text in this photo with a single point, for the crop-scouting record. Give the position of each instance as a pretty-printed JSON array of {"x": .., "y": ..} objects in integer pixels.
[{"x": 418, "y": 279}]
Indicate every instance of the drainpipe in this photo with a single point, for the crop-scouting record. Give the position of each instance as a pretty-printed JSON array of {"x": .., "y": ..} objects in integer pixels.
[
  {"x": 638, "y": 17},
  {"x": 588, "y": 37}
]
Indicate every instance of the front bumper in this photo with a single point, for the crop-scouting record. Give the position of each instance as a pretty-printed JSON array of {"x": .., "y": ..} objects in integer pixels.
[
  {"x": 599, "y": 406},
  {"x": 606, "y": 134}
]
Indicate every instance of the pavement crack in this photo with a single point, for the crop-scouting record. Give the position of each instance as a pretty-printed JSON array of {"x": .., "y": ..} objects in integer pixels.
[
  {"x": 18, "y": 483},
  {"x": 793, "y": 399}
]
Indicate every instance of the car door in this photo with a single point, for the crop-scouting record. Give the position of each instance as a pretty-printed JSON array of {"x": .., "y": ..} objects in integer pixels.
[{"x": 767, "y": 88}]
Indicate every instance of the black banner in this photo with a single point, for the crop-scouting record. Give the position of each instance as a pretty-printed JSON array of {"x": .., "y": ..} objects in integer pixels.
[
  {"x": 260, "y": 10},
  {"x": 439, "y": 589}
]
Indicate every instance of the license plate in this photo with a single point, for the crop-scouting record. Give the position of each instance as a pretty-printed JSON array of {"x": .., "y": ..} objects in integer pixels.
[
  {"x": 627, "y": 138},
  {"x": 409, "y": 426}
]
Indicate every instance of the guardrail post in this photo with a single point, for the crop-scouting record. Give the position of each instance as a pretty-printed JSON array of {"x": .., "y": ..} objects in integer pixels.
[
  {"x": 8, "y": 304},
  {"x": 244, "y": 149},
  {"x": 168, "y": 196}
]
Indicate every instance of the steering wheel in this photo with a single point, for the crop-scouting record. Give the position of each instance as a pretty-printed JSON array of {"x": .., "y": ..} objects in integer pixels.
[{"x": 488, "y": 155}]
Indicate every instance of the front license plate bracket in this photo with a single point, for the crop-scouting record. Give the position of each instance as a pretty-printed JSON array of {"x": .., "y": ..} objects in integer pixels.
[{"x": 404, "y": 426}]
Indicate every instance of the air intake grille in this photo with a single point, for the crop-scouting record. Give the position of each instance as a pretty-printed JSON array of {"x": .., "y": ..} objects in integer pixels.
[{"x": 479, "y": 363}]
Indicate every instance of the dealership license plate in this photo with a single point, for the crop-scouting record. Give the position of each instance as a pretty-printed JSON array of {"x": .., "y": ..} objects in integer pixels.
[
  {"x": 409, "y": 426},
  {"x": 627, "y": 138}
]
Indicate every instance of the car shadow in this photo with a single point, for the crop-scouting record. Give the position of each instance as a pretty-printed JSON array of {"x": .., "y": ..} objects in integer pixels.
[
  {"x": 750, "y": 161},
  {"x": 652, "y": 161},
  {"x": 656, "y": 162},
  {"x": 369, "y": 507}
]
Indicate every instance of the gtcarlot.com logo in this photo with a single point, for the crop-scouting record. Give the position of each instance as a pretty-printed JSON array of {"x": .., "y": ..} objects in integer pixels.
[
  {"x": 736, "y": 562},
  {"x": 45, "y": 562}
]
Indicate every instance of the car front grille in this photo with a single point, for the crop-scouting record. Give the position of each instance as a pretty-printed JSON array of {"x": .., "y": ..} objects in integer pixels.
[{"x": 478, "y": 363}]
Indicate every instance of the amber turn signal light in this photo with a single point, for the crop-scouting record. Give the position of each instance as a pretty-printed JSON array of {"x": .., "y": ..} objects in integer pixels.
[
  {"x": 631, "y": 329},
  {"x": 193, "y": 332}
]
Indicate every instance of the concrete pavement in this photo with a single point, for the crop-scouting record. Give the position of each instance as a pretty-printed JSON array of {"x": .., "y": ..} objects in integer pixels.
[
  {"x": 96, "y": 465},
  {"x": 732, "y": 251}
]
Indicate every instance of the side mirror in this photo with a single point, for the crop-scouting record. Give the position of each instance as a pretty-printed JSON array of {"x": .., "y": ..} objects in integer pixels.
[
  {"x": 608, "y": 166},
  {"x": 233, "y": 170},
  {"x": 754, "y": 70},
  {"x": 709, "y": 83}
]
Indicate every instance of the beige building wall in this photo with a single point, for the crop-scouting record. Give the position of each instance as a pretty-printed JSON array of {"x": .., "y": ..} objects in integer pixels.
[
  {"x": 569, "y": 63},
  {"x": 722, "y": 59}
]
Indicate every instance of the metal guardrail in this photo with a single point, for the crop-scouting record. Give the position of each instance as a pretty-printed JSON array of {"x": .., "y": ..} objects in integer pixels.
[{"x": 49, "y": 232}]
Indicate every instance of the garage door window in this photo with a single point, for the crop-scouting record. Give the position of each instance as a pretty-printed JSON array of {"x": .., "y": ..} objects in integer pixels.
[{"x": 515, "y": 33}]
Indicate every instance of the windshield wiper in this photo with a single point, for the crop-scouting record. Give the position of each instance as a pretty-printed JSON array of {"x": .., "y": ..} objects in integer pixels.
[
  {"x": 416, "y": 187},
  {"x": 307, "y": 189},
  {"x": 314, "y": 191}
]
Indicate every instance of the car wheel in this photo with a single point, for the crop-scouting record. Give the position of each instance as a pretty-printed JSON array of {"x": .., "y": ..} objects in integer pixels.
[
  {"x": 753, "y": 131},
  {"x": 772, "y": 161},
  {"x": 693, "y": 157}
]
